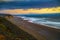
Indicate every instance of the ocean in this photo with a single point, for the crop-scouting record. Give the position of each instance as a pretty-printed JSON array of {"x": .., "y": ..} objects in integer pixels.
[{"x": 50, "y": 21}]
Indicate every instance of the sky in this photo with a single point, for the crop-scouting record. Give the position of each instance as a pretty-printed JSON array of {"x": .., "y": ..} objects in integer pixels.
[
  {"x": 27, "y": 0},
  {"x": 30, "y": 4},
  {"x": 33, "y": 11},
  {"x": 38, "y": 7}
]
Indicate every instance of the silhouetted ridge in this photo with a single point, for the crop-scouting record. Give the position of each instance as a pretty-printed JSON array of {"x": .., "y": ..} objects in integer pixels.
[{"x": 5, "y": 15}]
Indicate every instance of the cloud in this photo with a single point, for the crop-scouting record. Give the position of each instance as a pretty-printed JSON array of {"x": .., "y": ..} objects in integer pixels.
[
  {"x": 26, "y": 0},
  {"x": 35, "y": 10}
]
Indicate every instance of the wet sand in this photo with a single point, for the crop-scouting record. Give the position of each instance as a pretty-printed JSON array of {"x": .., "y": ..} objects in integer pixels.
[{"x": 40, "y": 32}]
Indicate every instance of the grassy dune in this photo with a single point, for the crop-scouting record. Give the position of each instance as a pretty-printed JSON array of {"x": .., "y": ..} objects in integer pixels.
[{"x": 9, "y": 31}]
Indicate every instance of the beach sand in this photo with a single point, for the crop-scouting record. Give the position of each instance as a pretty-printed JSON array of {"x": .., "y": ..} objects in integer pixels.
[{"x": 40, "y": 32}]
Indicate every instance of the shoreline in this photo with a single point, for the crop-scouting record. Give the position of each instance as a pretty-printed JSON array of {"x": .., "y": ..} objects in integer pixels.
[
  {"x": 40, "y": 32},
  {"x": 54, "y": 27}
]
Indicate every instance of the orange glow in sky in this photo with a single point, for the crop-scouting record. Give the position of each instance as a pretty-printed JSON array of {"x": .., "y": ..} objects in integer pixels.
[{"x": 31, "y": 10}]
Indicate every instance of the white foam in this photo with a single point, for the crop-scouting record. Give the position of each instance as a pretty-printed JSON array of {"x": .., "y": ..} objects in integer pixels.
[{"x": 42, "y": 21}]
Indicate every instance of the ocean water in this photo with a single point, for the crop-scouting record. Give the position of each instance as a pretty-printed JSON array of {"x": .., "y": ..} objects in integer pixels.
[{"x": 50, "y": 22}]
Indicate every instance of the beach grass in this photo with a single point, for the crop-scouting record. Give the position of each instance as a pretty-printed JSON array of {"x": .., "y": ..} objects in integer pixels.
[{"x": 9, "y": 31}]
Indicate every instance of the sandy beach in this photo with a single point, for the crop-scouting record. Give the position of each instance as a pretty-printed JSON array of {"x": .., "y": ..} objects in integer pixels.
[{"x": 40, "y": 32}]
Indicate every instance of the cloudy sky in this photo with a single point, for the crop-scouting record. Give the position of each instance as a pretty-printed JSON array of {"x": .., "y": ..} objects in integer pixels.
[
  {"x": 40, "y": 6},
  {"x": 35, "y": 11},
  {"x": 27, "y": 0}
]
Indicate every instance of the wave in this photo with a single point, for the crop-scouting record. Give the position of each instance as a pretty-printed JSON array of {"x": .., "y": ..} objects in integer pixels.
[{"x": 43, "y": 21}]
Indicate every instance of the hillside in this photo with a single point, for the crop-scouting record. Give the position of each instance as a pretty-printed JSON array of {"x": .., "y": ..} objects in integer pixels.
[{"x": 9, "y": 31}]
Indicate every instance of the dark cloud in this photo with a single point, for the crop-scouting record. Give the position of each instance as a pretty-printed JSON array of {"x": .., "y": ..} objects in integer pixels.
[
  {"x": 31, "y": 4},
  {"x": 26, "y": 0}
]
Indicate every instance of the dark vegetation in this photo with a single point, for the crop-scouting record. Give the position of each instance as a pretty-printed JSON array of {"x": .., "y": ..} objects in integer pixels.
[
  {"x": 9, "y": 31},
  {"x": 5, "y": 15}
]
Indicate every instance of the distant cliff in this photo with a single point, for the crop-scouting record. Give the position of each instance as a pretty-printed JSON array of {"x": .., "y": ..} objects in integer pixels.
[{"x": 5, "y": 15}]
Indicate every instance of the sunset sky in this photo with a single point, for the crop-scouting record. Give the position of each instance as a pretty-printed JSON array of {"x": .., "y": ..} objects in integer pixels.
[
  {"x": 30, "y": 6},
  {"x": 35, "y": 10}
]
